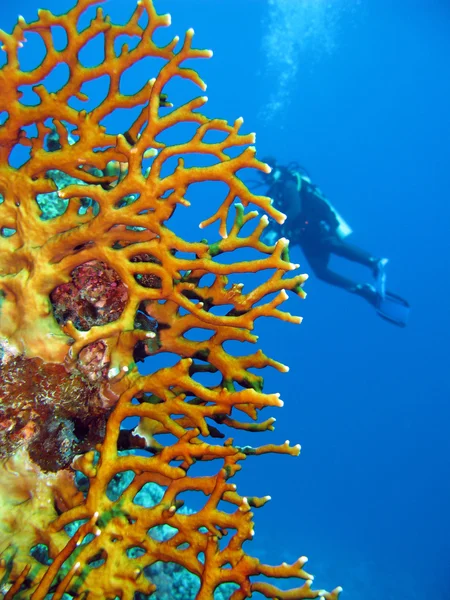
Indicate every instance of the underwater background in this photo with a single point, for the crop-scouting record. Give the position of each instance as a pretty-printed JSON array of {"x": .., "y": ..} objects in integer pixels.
[{"x": 359, "y": 93}]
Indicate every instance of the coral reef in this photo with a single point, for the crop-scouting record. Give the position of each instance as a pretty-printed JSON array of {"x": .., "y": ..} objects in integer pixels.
[{"x": 93, "y": 280}]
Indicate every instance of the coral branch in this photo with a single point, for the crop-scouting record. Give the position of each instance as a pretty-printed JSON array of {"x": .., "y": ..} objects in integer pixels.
[{"x": 94, "y": 279}]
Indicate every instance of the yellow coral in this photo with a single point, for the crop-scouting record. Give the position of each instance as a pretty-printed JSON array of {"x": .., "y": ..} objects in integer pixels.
[{"x": 164, "y": 278}]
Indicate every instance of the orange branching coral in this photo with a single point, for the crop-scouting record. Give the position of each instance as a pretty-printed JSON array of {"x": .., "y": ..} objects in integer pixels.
[{"x": 105, "y": 283}]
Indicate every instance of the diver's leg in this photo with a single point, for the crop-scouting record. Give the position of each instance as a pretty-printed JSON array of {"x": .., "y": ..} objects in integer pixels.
[
  {"x": 342, "y": 248},
  {"x": 318, "y": 262}
]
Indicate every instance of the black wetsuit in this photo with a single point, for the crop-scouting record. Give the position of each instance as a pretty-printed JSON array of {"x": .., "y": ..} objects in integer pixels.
[{"x": 313, "y": 225}]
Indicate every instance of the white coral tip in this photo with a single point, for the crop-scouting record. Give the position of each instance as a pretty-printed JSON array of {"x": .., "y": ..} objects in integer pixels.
[{"x": 113, "y": 372}]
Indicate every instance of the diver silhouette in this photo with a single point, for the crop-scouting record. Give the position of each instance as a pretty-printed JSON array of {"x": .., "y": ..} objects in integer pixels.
[{"x": 315, "y": 225}]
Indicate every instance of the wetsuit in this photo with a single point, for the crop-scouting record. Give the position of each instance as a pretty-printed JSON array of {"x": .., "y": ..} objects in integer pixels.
[{"x": 314, "y": 226}]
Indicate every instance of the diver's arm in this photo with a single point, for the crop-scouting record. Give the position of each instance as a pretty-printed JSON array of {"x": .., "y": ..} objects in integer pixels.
[
  {"x": 331, "y": 218},
  {"x": 292, "y": 200},
  {"x": 325, "y": 213}
]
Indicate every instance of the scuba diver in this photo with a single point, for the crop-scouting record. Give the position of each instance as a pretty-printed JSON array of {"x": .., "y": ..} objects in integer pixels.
[{"x": 320, "y": 231}]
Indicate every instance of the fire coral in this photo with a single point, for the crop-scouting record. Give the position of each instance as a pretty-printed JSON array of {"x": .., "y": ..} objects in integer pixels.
[{"x": 94, "y": 280}]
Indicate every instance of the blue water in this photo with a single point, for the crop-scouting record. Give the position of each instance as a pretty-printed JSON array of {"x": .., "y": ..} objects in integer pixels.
[{"x": 359, "y": 93}]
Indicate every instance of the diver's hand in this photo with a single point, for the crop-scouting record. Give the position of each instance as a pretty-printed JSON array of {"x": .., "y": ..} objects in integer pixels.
[
  {"x": 269, "y": 237},
  {"x": 325, "y": 227}
]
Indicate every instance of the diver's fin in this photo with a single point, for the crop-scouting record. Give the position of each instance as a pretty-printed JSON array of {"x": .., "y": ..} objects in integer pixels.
[
  {"x": 393, "y": 308},
  {"x": 381, "y": 276}
]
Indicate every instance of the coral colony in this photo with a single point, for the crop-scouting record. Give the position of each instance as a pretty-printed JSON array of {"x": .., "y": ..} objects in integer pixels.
[{"x": 93, "y": 282}]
